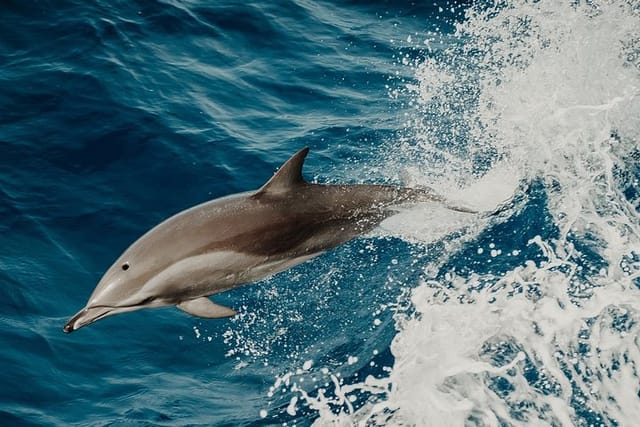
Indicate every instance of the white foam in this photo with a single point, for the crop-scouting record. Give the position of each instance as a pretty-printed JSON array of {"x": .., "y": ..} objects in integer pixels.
[{"x": 546, "y": 91}]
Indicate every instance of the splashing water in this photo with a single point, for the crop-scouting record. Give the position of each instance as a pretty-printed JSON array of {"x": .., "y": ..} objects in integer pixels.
[{"x": 541, "y": 99}]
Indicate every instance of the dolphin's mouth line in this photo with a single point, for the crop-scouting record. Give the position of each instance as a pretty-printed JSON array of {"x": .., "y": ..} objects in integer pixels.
[
  {"x": 100, "y": 316},
  {"x": 115, "y": 307}
]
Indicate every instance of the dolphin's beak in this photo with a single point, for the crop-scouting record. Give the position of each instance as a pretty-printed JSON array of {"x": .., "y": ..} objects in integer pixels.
[{"x": 86, "y": 316}]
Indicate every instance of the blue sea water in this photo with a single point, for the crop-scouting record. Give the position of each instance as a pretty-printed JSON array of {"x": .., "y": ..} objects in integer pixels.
[{"x": 118, "y": 114}]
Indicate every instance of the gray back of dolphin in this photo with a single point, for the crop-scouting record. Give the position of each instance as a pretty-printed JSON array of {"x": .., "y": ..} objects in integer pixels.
[{"x": 234, "y": 240}]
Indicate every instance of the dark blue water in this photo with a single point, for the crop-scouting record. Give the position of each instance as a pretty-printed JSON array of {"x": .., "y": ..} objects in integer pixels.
[{"x": 115, "y": 115}]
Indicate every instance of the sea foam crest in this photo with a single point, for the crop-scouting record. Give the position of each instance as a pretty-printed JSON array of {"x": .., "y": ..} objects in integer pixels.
[{"x": 545, "y": 95}]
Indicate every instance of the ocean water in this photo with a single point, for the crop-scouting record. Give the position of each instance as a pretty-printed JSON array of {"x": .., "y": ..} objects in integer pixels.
[{"x": 118, "y": 114}]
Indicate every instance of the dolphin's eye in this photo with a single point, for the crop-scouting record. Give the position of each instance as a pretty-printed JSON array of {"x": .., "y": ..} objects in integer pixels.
[{"x": 125, "y": 266}]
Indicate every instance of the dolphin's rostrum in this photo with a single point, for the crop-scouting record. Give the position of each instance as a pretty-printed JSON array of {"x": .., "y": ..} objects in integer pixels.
[{"x": 234, "y": 240}]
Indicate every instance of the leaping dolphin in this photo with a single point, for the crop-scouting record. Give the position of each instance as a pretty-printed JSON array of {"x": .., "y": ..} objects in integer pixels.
[{"x": 238, "y": 239}]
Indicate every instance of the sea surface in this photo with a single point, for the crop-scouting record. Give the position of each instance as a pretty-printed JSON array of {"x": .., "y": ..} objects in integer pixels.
[{"x": 115, "y": 115}]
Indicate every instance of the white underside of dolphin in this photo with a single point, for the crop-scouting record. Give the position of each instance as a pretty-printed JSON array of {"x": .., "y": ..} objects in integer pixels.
[{"x": 239, "y": 239}]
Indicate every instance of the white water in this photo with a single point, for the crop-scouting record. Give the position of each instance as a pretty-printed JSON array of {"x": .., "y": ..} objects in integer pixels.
[{"x": 543, "y": 91}]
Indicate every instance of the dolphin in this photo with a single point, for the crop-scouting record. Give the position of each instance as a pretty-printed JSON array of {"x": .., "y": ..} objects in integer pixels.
[{"x": 234, "y": 240}]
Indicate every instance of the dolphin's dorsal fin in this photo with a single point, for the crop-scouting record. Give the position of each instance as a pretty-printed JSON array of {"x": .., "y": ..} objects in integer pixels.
[{"x": 287, "y": 177}]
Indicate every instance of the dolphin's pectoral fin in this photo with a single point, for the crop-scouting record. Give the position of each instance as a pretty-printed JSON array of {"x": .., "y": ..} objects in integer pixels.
[{"x": 204, "y": 307}]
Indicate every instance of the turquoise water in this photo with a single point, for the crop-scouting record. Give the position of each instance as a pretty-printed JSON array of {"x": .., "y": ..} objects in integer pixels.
[{"x": 116, "y": 115}]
